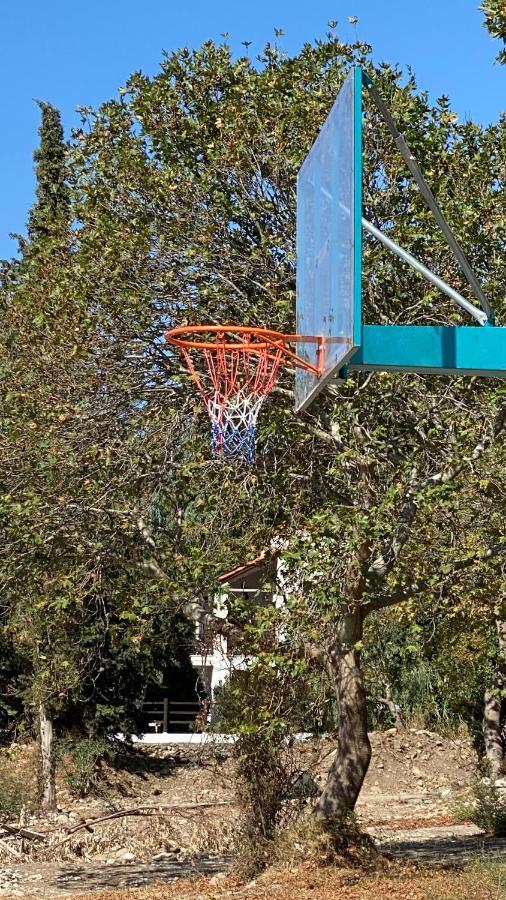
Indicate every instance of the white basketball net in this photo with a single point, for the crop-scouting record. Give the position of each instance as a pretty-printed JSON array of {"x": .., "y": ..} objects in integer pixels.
[{"x": 233, "y": 389}]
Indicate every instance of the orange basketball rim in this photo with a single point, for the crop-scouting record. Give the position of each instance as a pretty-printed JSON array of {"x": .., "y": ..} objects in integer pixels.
[{"x": 235, "y": 367}]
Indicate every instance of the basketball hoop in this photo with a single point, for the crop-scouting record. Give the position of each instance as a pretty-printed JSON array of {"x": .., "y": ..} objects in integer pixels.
[{"x": 235, "y": 367}]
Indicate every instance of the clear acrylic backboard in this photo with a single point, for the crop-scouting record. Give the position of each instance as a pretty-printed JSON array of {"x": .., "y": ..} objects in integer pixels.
[{"x": 329, "y": 242}]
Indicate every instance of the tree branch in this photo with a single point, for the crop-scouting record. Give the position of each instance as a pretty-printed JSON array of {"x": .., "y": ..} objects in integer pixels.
[
  {"x": 405, "y": 592},
  {"x": 390, "y": 552},
  {"x": 321, "y": 435},
  {"x": 179, "y": 810}
]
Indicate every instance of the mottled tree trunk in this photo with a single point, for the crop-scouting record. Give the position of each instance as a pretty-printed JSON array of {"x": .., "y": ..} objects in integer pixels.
[
  {"x": 353, "y": 752},
  {"x": 495, "y": 701},
  {"x": 392, "y": 707},
  {"x": 47, "y": 762}
]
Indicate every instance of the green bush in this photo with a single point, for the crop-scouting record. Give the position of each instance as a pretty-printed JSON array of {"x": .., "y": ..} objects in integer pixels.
[
  {"x": 486, "y": 808},
  {"x": 80, "y": 763}
]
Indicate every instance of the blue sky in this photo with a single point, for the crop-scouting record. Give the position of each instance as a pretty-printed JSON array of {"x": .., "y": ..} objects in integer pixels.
[{"x": 79, "y": 53}]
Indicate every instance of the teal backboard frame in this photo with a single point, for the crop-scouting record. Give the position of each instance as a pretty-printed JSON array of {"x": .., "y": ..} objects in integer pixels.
[{"x": 478, "y": 350}]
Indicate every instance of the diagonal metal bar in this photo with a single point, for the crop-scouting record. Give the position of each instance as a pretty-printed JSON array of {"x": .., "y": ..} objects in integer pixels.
[
  {"x": 430, "y": 200},
  {"x": 478, "y": 314}
]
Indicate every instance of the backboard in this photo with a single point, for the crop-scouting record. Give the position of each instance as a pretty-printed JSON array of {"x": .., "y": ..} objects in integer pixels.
[{"x": 329, "y": 242}]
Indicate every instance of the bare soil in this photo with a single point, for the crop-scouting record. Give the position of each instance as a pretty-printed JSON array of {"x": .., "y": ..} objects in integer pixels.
[{"x": 407, "y": 805}]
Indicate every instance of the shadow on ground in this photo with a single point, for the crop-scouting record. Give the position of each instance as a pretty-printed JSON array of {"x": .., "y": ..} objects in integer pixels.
[
  {"x": 139, "y": 874},
  {"x": 447, "y": 851}
]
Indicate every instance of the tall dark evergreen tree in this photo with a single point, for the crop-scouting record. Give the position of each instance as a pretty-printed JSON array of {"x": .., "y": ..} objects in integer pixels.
[
  {"x": 43, "y": 261},
  {"x": 51, "y": 208}
]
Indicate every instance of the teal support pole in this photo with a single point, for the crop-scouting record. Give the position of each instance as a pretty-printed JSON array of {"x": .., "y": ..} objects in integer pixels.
[
  {"x": 433, "y": 349},
  {"x": 357, "y": 205}
]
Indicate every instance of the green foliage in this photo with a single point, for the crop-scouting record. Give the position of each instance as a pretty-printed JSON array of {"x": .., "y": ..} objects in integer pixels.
[
  {"x": 81, "y": 763},
  {"x": 487, "y": 808},
  {"x": 280, "y": 692},
  {"x": 82, "y": 607},
  {"x": 422, "y": 697},
  {"x": 14, "y": 677},
  {"x": 208, "y": 187},
  {"x": 495, "y": 23},
  {"x": 112, "y": 514},
  {"x": 51, "y": 210},
  {"x": 130, "y": 662},
  {"x": 434, "y": 670}
]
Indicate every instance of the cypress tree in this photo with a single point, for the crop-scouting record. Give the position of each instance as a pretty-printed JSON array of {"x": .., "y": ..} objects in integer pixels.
[{"x": 51, "y": 208}]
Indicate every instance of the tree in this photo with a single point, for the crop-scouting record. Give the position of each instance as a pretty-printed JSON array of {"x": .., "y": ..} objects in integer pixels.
[
  {"x": 495, "y": 23},
  {"x": 184, "y": 207},
  {"x": 80, "y": 600},
  {"x": 196, "y": 168},
  {"x": 47, "y": 231},
  {"x": 52, "y": 206},
  {"x": 78, "y": 480}
]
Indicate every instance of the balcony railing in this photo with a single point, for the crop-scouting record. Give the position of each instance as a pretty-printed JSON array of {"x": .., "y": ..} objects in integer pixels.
[{"x": 174, "y": 715}]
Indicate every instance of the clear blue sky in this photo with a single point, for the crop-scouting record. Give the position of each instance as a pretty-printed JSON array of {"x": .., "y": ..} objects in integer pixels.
[{"x": 79, "y": 53}]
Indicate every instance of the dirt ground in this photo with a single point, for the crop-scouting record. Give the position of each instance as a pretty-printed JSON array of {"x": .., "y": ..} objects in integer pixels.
[
  {"x": 316, "y": 883},
  {"x": 407, "y": 805}
]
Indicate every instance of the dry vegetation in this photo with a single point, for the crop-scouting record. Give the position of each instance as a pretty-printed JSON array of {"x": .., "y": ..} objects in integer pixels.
[
  {"x": 183, "y": 803},
  {"x": 185, "y": 797},
  {"x": 311, "y": 882}
]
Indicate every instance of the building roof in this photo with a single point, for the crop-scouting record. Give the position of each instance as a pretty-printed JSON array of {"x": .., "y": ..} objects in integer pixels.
[{"x": 242, "y": 570}]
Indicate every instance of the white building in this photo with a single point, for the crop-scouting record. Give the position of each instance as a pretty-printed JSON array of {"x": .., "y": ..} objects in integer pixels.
[
  {"x": 216, "y": 657},
  {"x": 213, "y": 651}
]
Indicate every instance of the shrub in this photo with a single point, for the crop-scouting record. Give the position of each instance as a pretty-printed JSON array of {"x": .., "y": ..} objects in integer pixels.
[
  {"x": 16, "y": 793},
  {"x": 486, "y": 808},
  {"x": 81, "y": 763},
  {"x": 340, "y": 843},
  {"x": 261, "y": 788}
]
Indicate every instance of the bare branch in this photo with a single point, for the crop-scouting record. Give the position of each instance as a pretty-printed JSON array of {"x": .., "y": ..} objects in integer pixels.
[
  {"x": 389, "y": 554},
  {"x": 320, "y": 434},
  {"x": 179, "y": 810}
]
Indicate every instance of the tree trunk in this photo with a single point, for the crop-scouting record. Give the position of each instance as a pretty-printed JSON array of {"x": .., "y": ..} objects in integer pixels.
[
  {"x": 353, "y": 753},
  {"x": 495, "y": 701},
  {"x": 47, "y": 769},
  {"x": 392, "y": 707}
]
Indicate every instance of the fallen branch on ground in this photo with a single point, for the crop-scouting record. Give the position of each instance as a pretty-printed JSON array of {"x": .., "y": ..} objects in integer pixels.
[
  {"x": 12, "y": 850},
  {"x": 180, "y": 810},
  {"x": 18, "y": 831}
]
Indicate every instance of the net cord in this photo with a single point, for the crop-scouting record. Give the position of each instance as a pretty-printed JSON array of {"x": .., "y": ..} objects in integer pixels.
[{"x": 236, "y": 385}]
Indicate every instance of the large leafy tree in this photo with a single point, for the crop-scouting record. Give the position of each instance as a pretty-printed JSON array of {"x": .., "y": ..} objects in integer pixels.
[
  {"x": 184, "y": 210},
  {"x": 186, "y": 197},
  {"x": 80, "y": 468}
]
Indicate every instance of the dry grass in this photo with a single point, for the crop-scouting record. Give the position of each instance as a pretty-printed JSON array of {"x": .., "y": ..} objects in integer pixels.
[
  {"x": 142, "y": 837},
  {"x": 18, "y": 780}
]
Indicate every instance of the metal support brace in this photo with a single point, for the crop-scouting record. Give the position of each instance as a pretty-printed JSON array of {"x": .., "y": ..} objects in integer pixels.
[
  {"x": 430, "y": 200},
  {"x": 478, "y": 314}
]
